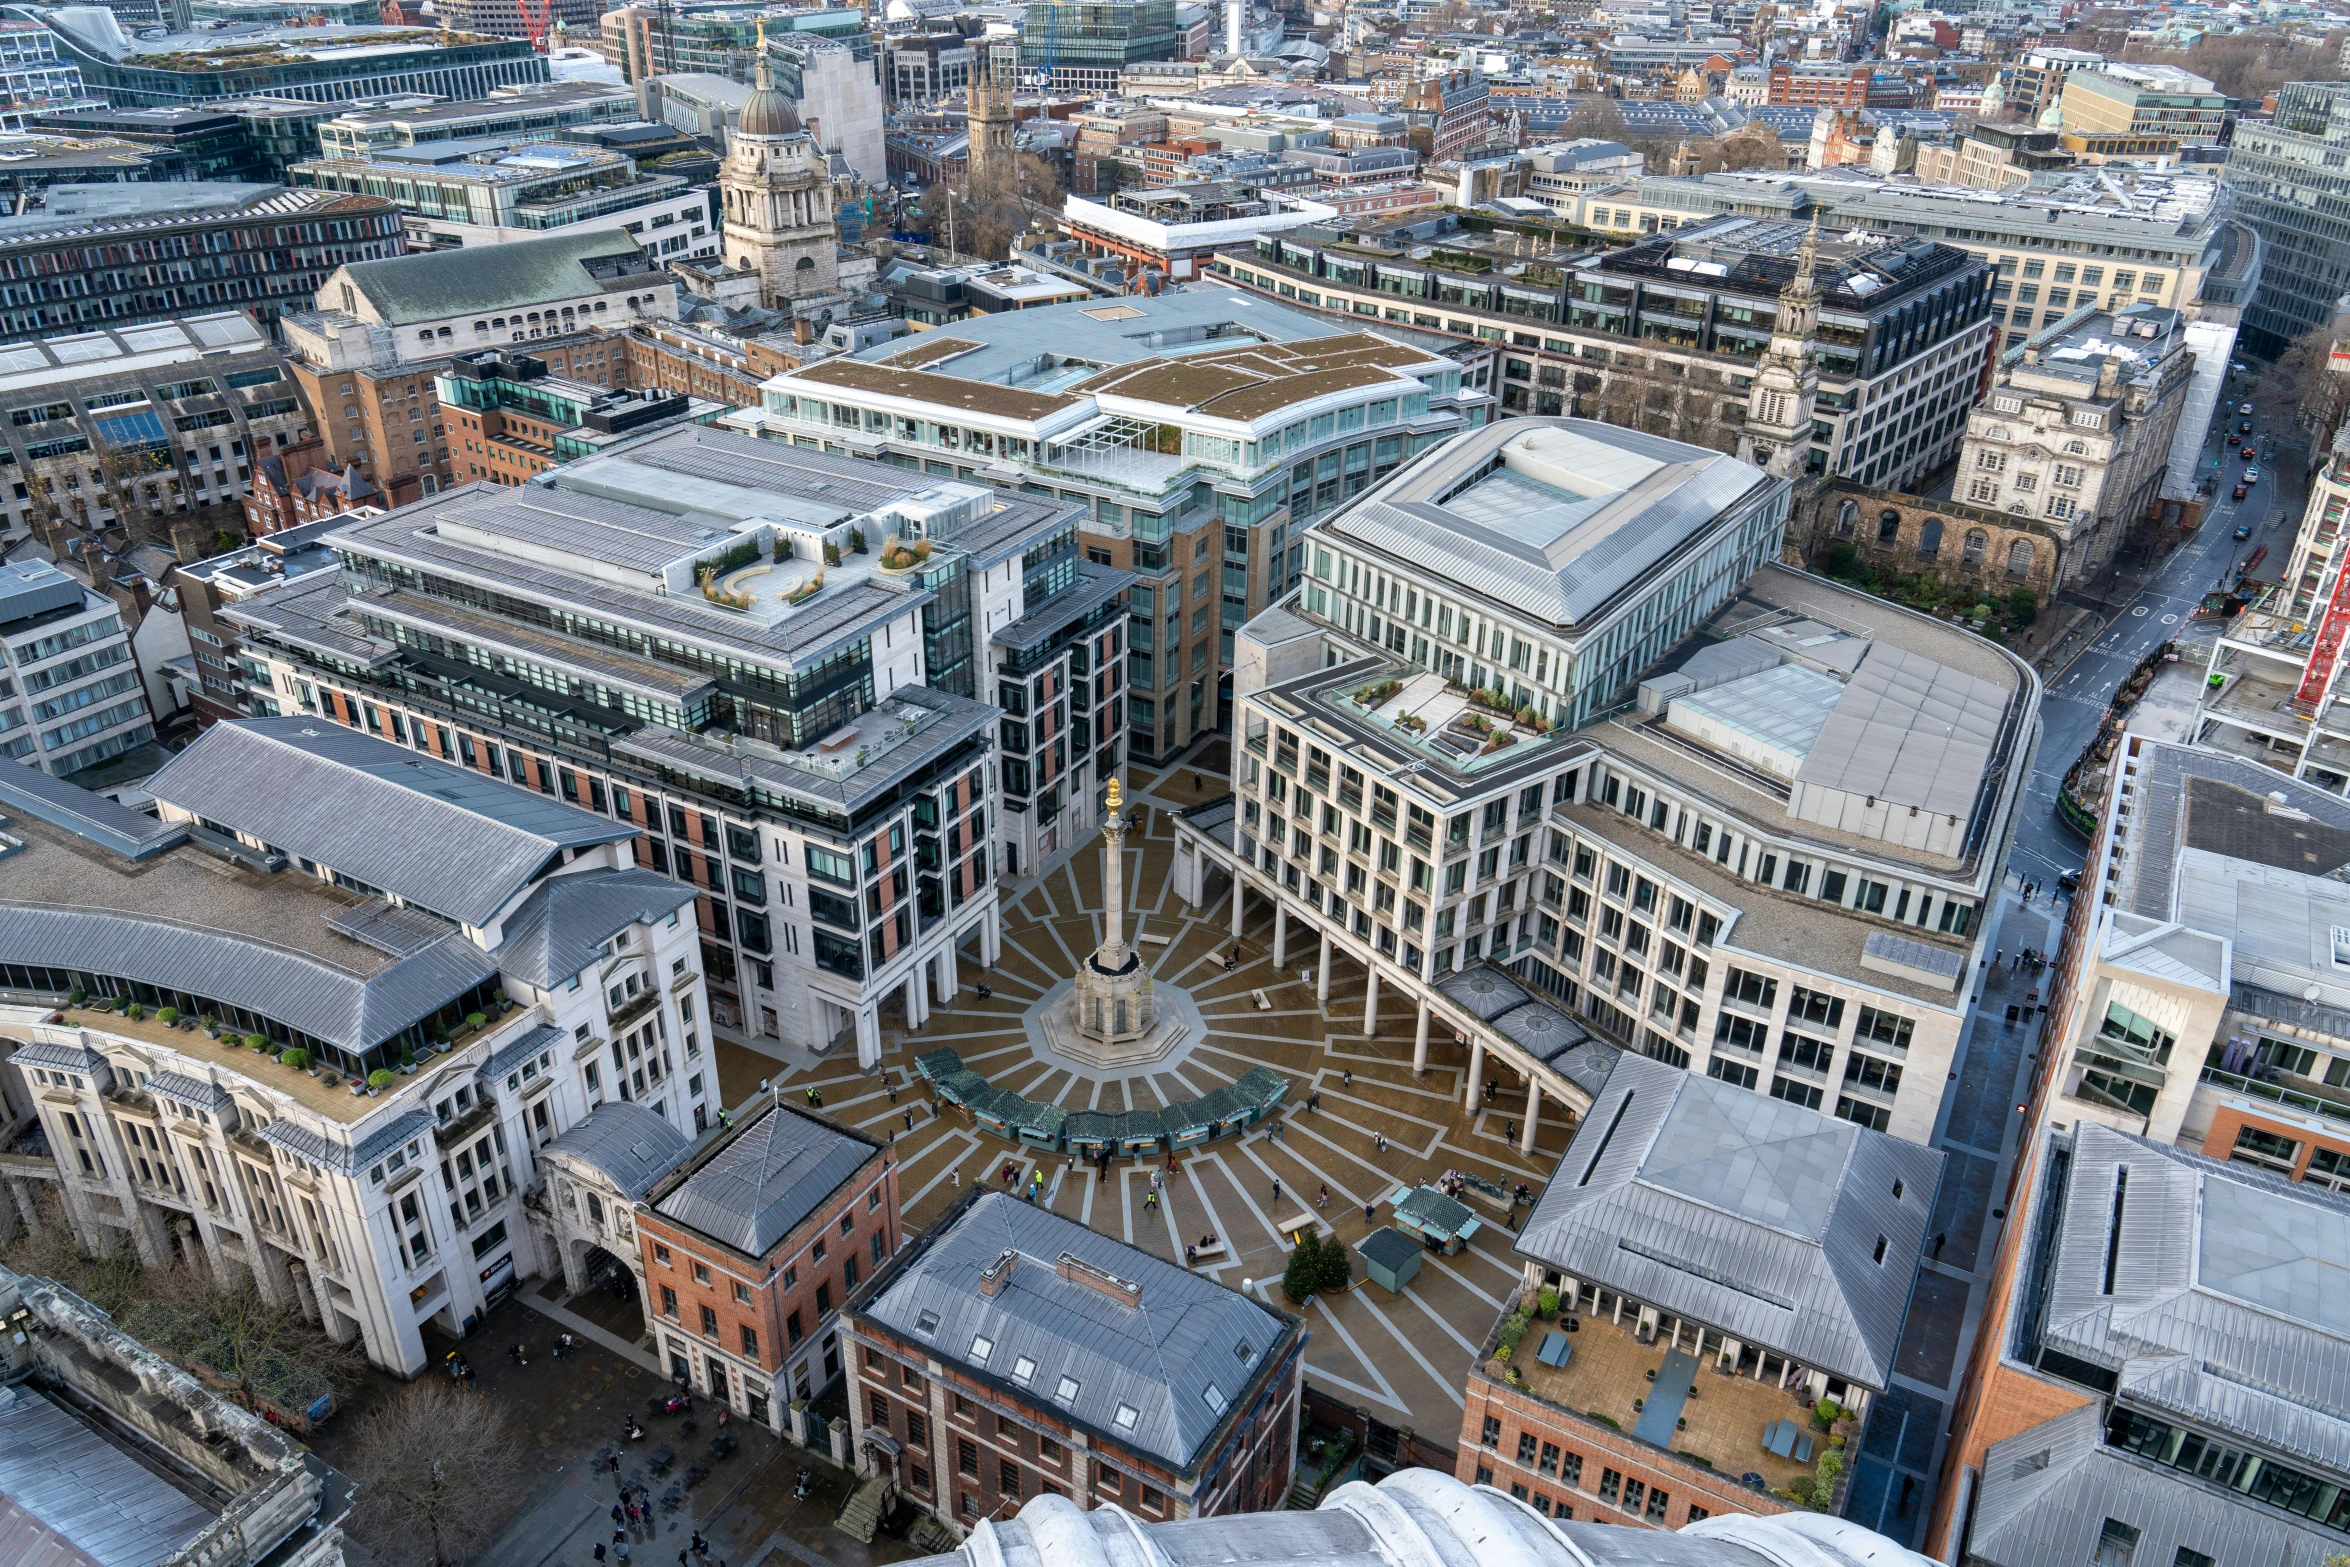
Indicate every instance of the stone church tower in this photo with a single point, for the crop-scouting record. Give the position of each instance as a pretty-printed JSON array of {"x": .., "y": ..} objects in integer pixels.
[
  {"x": 1787, "y": 382},
  {"x": 990, "y": 118},
  {"x": 776, "y": 190}
]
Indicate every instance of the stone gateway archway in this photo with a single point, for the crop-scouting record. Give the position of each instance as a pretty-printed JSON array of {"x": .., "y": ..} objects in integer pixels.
[{"x": 1993, "y": 552}]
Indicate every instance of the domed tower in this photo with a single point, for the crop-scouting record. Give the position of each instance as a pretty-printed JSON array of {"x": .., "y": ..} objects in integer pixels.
[{"x": 777, "y": 196}]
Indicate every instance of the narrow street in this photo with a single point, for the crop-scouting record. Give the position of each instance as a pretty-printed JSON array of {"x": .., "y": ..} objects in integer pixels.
[{"x": 1895, "y": 1473}]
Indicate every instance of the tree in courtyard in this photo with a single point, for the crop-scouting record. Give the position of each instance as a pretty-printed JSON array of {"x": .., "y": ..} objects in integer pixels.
[
  {"x": 1334, "y": 1267},
  {"x": 989, "y": 212},
  {"x": 2302, "y": 386},
  {"x": 438, "y": 1471},
  {"x": 1753, "y": 146},
  {"x": 1301, "y": 1276},
  {"x": 268, "y": 1354},
  {"x": 108, "y": 1279}
]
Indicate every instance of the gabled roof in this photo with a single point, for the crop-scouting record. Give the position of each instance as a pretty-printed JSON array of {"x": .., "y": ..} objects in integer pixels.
[
  {"x": 440, "y": 283},
  {"x": 761, "y": 1182},
  {"x": 557, "y": 929},
  {"x": 1156, "y": 1375},
  {"x": 2047, "y": 1491},
  {"x": 298, "y": 989},
  {"x": 2226, "y": 1304},
  {"x": 1744, "y": 1212},
  {"x": 631, "y": 1145},
  {"x": 451, "y": 840}
]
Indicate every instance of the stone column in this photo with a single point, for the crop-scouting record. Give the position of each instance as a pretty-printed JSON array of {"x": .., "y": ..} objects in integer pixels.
[
  {"x": 1236, "y": 892},
  {"x": 1280, "y": 932},
  {"x": 1370, "y": 999},
  {"x": 1420, "y": 1041},
  {"x": 1533, "y": 1113},
  {"x": 1322, "y": 978},
  {"x": 1476, "y": 1073},
  {"x": 948, "y": 981},
  {"x": 868, "y": 1037},
  {"x": 913, "y": 1000},
  {"x": 1113, "y": 953}
]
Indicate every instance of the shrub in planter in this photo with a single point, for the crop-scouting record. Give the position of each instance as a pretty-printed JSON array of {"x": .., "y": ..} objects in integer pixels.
[
  {"x": 1826, "y": 1412},
  {"x": 256, "y": 1042},
  {"x": 168, "y": 1016},
  {"x": 297, "y": 1058},
  {"x": 135, "y": 1012},
  {"x": 381, "y": 1077},
  {"x": 1547, "y": 1302},
  {"x": 407, "y": 1056},
  {"x": 475, "y": 1020},
  {"x": 76, "y": 996}
]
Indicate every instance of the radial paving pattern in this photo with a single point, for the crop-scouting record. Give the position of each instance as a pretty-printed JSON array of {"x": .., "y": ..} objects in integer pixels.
[{"x": 1399, "y": 1357}]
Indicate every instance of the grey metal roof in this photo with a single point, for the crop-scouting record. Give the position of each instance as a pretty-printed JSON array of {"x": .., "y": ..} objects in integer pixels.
[
  {"x": 349, "y": 1160},
  {"x": 1750, "y": 1214},
  {"x": 73, "y": 1496},
  {"x": 296, "y": 988},
  {"x": 131, "y": 834},
  {"x": 1910, "y": 731},
  {"x": 1157, "y": 1376},
  {"x": 759, "y": 1184},
  {"x": 2227, "y": 1306},
  {"x": 629, "y": 1144},
  {"x": 1388, "y": 1247},
  {"x": 2047, "y": 1492},
  {"x": 310, "y": 613},
  {"x": 65, "y": 1058},
  {"x": 1578, "y": 512},
  {"x": 558, "y": 928},
  {"x": 509, "y": 1056},
  {"x": 436, "y": 284},
  {"x": 200, "y": 1093},
  {"x": 455, "y": 841},
  {"x": 1534, "y": 1023}
]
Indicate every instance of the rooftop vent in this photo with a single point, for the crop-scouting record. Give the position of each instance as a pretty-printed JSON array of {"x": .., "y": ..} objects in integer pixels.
[
  {"x": 993, "y": 1276},
  {"x": 1126, "y": 1292}
]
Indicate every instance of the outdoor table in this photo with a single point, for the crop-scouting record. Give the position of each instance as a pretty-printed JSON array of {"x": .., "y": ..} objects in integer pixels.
[
  {"x": 1555, "y": 1349},
  {"x": 1779, "y": 1437}
]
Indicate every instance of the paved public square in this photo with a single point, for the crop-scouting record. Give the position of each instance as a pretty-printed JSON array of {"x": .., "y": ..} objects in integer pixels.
[{"x": 1400, "y": 1358}]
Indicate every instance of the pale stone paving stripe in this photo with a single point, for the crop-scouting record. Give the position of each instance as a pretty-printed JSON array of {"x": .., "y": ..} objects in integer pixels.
[
  {"x": 1437, "y": 1317},
  {"x": 967, "y": 1143},
  {"x": 1386, "y": 1394},
  {"x": 1379, "y": 1315}
]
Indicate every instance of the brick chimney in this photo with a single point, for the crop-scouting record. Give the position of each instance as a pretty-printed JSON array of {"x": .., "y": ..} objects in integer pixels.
[
  {"x": 1126, "y": 1292},
  {"x": 993, "y": 1277}
]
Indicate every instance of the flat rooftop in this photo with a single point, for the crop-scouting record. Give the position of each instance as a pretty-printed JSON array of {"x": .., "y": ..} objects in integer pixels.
[
  {"x": 71, "y": 1493},
  {"x": 1550, "y": 520}
]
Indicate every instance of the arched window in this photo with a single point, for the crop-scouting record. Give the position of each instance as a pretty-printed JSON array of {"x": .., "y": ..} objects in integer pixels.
[
  {"x": 1930, "y": 537},
  {"x": 805, "y": 264},
  {"x": 1971, "y": 552},
  {"x": 1888, "y": 526},
  {"x": 1847, "y": 517},
  {"x": 2019, "y": 558},
  {"x": 424, "y": 336}
]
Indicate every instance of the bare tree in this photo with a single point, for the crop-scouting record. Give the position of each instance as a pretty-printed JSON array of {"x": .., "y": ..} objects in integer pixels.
[
  {"x": 990, "y": 213},
  {"x": 109, "y": 1280},
  {"x": 439, "y": 1470},
  {"x": 2250, "y": 64},
  {"x": 1597, "y": 118},
  {"x": 1753, "y": 146},
  {"x": 2305, "y": 388},
  {"x": 267, "y": 1355}
]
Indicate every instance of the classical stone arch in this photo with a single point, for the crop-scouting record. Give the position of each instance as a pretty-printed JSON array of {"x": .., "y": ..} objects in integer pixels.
[
  {"x": 2019, "y": 558},
  {"x": 1888, "y": 526},
  {"x": 1971, "y": 552},
  {"x": 1930, "y": 538},
  {"x": 1847, "y": 518}
]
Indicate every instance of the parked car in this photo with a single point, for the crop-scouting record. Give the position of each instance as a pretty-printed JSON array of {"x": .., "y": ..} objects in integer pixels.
[
  {"x": 2252, "y": 476},
  {"x": 2243, "y": 529}
]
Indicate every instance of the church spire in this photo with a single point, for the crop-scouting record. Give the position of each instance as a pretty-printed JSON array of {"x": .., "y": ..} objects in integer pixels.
[{"x": 1807, "y": 257}]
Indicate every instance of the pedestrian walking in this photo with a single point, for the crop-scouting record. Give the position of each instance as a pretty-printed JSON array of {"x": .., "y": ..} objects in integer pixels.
[
  {"x": 909, "y": 1118},
  {"x": 956, "y": 1178},
  {"x": 1997, "y": 953},
  {"x": 1276, "y": 1192},
  {"x": 1150, "y": 1202},
  {"x": 617, "y": 1515},
  {"x": 1939, "y": 1237},
  {"x": 1370, "y": 1214},
  {"x": 1380, "y": 1140},
  {"x": 1346, "y": 1077},
  {"x": 1190, "y": 1255},
  {"x": 1314, "y": 1100},
  {"x": 1510, "y": 1134},
  {"x": 600, "y": 1549}
]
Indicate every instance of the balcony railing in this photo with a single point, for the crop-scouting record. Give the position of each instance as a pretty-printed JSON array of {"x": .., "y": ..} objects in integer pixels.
[{"x": 2332, "y": 1109}]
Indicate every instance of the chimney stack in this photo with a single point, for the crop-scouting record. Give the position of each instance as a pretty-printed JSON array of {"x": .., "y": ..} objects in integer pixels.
[
  {"x": 993, "y": 1277},
  {"x": 1235, "y": 13}
]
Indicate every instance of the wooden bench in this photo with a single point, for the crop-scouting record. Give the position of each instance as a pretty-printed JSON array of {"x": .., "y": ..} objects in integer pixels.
[
  {"x": 1211, "y": 1250},
  {"x": 1303, "y": 1221},
  {"x": 1155, "y": 940},
  {"x": 1263, "y": 1001}
]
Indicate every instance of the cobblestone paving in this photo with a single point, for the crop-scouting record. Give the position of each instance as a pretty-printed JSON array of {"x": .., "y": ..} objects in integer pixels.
[{"x": 1401, "y": 1358}]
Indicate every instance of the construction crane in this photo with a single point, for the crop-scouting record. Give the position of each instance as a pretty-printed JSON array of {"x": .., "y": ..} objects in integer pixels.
[{"x": 537, "y": 21}]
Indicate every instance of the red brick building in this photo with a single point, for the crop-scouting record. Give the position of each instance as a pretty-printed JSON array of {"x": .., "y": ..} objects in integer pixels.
[
  {"x": 302, "y": 484},
  {"x": 1012, "y": 1353},
  {"x": 752, "y": 1246},
  {"x": 1662, "y": 1380},
  {"x": 1821, "y": 87}
]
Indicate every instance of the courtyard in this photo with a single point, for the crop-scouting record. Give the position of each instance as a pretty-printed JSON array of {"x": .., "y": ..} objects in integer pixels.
[{"x": 1400, "y": 1358}]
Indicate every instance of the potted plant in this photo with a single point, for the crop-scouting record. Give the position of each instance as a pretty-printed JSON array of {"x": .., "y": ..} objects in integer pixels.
[
  {"x": 168, "y": 1016},
  {"x": 475, "y": 1020},
  {"x": 379, "y": 1080},
  {"x": 331, "y": 1078},
  {"x": 257, "y": 1044},
  {"x": 135, "y": 1012},
  {"x": 407, "y": 1061},
  {"x": 76, "y": 996},
  {"x": 296, "y": 1057}
]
